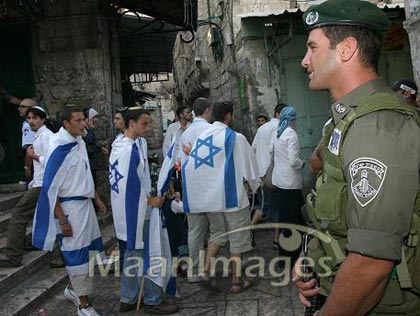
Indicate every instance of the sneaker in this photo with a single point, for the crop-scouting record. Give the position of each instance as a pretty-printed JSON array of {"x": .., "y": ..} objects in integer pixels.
[
  {"x": 161, "y": 309},
  {"x": 86, "y": 310},
  {"x": 71, "y": 295}
]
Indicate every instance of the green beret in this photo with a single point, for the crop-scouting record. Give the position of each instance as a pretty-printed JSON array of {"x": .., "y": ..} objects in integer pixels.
[{"x": 346, "y": 12}]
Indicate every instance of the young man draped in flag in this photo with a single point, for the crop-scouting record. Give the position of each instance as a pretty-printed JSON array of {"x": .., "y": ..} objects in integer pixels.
[
  {"x": 65, "y": 199},
  {"x": 131, "y": 208},
  {"x": 198, "y": 223},
  {"x": 213, "y": 182}
]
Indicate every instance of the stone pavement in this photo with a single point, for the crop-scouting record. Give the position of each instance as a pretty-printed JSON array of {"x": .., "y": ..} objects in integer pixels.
[{"x": 263, "y": 299}]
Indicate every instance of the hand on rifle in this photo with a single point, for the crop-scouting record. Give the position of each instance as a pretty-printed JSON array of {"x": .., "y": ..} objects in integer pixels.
[{"x": 306, "y": 288}]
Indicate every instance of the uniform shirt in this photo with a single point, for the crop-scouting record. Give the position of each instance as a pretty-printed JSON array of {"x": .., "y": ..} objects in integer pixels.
[
  {"x": 261, "y": 143},
  {"x": 42, "y": 137},
  {"x": 287, "y": 164},
  {"x": 189, "y": 137},
  {"x": 27, "y": 135},
  {"x": 173, "y": 133},
  {"x": 381, "y": 161}
]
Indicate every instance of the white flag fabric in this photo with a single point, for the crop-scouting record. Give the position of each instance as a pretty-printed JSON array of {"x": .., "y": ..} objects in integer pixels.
[
  {"x": 213, "y": 176},
  {"x": 159, "y": 246},
  {"x": 128, "y": 196},
  {"x": 68, "y": 179},
  {"x": 157, "y": 256}
]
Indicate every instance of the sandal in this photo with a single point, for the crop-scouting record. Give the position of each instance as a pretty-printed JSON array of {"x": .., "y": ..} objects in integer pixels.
[{"x": 242, "y": 285}]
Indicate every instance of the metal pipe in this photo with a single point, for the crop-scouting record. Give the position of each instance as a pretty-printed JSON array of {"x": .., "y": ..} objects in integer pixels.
[{"x": 267, "y": 58}]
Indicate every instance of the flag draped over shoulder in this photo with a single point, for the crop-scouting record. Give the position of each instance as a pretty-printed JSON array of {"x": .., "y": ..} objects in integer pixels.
[
  {"x": 219, "y": 162},
  {"x": 45, "y": 227},
  {"x": 128, "y": 199}
]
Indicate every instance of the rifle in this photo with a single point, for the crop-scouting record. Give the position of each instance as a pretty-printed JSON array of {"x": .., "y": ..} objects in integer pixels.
[{"x": 307, "y": 276}]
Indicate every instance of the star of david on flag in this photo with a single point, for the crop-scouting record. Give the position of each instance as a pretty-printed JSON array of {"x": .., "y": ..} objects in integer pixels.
[
  {"x": 114, "y": 175},
  {"x": 212, "y": 151}
]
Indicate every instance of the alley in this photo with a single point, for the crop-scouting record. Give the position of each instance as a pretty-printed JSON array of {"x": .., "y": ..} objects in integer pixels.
[{"x": 262, "y": 299}]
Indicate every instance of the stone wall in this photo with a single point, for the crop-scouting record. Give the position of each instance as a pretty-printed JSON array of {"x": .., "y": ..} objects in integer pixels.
[
  {"x": 230, "y": 69},
  {"x": 76, "y": 61},
  {"x": 412, "y": 26}
]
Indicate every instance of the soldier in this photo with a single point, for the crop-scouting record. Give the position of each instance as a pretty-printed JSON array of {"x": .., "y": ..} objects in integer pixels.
[{"x": 366, "y": 198}]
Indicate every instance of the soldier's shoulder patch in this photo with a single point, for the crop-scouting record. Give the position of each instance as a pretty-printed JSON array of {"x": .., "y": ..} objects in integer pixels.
[
  {"x": 334, "y": 143},
  {"x": 367, "y": 176}
]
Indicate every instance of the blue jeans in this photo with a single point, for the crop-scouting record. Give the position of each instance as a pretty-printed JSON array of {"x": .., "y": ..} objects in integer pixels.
[{"x": 130, "y": 282}]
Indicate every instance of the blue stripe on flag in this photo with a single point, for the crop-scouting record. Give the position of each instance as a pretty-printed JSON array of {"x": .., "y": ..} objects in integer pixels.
[
  {"x": 186, "y": 205},
  {"x": 132, "y": 198},
  {"x": 81, "y": 256},
  {"x": 231, "y": 195},
  {"x": 72, "y": 198},
  {"x": 43, "y": 207},
  {"x": 170, "y": 151},
  {"x": 165, "y": 186}
]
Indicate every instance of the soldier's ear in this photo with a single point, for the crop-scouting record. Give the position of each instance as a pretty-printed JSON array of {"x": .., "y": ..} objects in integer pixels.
[{"x": 347, "y": 48}]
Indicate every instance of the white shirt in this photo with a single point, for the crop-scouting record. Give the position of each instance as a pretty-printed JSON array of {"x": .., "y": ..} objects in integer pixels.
[
  {"x": 27, "y": 135},
  {"x": 287, "y": 164},
  {"x": 41, "y": 141},
  {"x": 189, "y": 137},
  {"x": 263, "y": 138},
  {"x": 173, "y": 133}
]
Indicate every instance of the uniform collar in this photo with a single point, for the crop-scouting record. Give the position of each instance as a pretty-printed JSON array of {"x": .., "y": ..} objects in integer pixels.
[{"x": 343, "y": 106}]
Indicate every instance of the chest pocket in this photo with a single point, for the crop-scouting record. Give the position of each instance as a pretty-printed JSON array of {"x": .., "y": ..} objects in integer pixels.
[{"x": 330, "y": 207}]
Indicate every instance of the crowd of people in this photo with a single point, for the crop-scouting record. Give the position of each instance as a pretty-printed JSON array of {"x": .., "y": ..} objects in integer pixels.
[{"x": 367, "y": 159}]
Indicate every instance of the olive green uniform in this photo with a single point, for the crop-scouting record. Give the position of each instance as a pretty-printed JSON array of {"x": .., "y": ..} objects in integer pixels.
[{"x": 367, "y": 206}]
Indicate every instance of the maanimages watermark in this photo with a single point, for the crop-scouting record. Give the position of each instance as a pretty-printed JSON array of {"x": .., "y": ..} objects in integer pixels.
[{"x": 251, "y": 267}]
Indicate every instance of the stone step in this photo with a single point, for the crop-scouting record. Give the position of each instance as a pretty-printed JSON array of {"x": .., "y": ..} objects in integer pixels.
[
  {"x": 3, "y": 237},
  {"x": 12, "y": 188},
  {"x": 8, "y": 201},
  {"x": 29, "y": 294},
  {"x": 4, "y": 222},
  {"x": 33, "y": 260}
]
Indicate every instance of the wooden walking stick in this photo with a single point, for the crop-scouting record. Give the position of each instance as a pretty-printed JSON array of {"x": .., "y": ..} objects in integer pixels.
[{"x": 140, "y": 294}]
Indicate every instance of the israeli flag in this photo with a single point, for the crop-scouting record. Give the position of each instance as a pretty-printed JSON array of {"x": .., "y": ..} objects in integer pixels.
[
  {"x": 166, "y": 171},
  {"x": 128, "y": 196},
  {"x": 45, "y": 227},
  {"x": 157, "y": 255},
  {"x": 157, "y": 250},
  {"x": 213, "y": 176}
]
